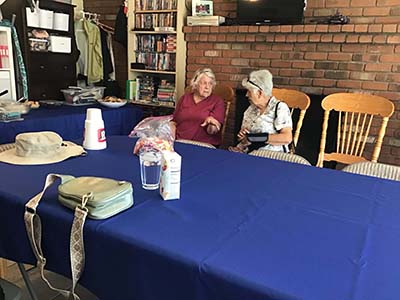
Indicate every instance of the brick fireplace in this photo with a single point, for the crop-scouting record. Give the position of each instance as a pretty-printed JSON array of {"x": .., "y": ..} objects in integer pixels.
[{"x": 318, "y": 59}]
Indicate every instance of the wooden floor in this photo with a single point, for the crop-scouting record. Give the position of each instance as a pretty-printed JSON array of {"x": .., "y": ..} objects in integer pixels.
[{"x": 41, "y": 289}]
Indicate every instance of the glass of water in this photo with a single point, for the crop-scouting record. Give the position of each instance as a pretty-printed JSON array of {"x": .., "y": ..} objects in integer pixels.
[{"x": 150, "y": 169}]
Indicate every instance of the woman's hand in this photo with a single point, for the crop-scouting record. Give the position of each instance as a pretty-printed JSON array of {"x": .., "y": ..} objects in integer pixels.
[
  {"x": 242, "y": 134},
  {"x": 211, "y": 121}
]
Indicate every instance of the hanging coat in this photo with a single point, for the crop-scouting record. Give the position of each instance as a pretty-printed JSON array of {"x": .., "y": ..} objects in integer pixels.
[{"x": 121, "y": 25}]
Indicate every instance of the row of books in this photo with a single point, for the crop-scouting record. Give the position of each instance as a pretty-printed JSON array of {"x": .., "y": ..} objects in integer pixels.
[
  {"x": 156, "y": 43},
  {"x": 146, "y": 88},
  {"x": 151, "y": 89},
  {"x": 150, "y": 21},
  {"x": 166, "y": 91},
  {"x": 157, "y": 61},
  {"x": 155, "y": 4}
]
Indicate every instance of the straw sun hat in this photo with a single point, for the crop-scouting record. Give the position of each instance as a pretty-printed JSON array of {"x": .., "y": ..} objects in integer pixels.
[{"x": 40, "y": 148}]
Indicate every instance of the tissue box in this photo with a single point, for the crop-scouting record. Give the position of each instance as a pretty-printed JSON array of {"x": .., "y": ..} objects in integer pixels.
[{"x": 170, "y": 178}]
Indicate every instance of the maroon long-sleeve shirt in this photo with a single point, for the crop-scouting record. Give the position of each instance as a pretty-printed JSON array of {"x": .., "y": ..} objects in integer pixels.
[{"x": 189, "y": 115}]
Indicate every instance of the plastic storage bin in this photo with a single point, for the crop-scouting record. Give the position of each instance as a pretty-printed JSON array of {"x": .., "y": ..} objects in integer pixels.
[{"x": 77, "y": 95}]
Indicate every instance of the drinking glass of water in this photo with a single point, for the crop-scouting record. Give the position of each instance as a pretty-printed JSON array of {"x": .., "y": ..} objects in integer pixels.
[{"x": 150, "y": 169}]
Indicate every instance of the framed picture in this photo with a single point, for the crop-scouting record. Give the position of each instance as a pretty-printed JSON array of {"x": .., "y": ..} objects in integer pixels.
[{"x": 202, "y": 8}]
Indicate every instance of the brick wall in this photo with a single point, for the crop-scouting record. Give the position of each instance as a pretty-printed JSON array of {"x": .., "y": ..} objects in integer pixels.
[
  {"x": 317, "y": 59},
  {"x": 108, "y": 10},
  {"x": 360, "y": 11}
]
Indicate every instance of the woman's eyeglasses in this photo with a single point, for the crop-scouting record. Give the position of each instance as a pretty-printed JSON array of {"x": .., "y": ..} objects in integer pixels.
[{"x": 255, "y": 84}]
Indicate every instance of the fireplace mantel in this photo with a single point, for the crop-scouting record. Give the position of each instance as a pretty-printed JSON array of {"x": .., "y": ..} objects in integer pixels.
[{"x": 306, "y": 28}]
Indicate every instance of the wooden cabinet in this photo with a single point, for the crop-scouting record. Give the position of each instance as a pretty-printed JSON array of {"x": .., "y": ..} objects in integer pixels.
[
  {"x": 156, "y": 51},
  {"x": 48, "y": 72}
]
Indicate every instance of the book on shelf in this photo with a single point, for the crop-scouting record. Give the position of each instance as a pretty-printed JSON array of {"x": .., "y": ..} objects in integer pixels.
[
  {"x": 166, "y": 91},
  {"x": 146, "y": 89},
  {"x": 157, "y": 61},
  {"x": 156, "y": 43},
  {"x": 171, "y": 44},
  {"x": 149, "y": 21},
  {"x": 132, "y": 90},
  {"x": 151, "y": 90}
]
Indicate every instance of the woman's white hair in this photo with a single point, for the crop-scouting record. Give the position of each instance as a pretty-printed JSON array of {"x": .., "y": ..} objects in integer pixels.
[
  {"x": 199, "y": 74},
  {"x": 260, "y": 80}
]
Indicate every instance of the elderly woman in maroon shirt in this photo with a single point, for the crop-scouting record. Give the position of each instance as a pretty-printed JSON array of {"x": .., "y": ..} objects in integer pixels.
[{"x": 199, "y": 114}]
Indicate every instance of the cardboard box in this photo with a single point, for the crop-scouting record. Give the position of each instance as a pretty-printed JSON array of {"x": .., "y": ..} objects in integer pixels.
[{"x": 170, "y": 179}]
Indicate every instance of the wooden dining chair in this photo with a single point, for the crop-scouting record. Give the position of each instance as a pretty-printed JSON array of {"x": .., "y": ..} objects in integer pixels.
[
  {"x": 295, "y": 100},
  {"x": 356, "y": 113},
  {"x": 228, "y": 95},
  {"x": 289, "y": 157},
  {"x": 374, "y": 169}
]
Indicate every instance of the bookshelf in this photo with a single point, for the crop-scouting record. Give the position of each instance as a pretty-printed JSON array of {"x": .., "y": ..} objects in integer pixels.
[
  {"x": 47, "y": 71},
  {"x": 156, "y": 52}
]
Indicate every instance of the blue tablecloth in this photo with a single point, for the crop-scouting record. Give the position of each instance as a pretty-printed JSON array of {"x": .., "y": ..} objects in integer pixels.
[
  {"x": 69, "y": 121},
  {"x": 244, "y": 228}
]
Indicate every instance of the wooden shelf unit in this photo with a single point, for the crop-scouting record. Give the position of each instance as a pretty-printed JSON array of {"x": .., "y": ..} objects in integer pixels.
[{"x": 176, "y": 76}]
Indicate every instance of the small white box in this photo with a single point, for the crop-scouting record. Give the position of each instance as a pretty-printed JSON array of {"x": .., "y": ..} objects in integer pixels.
[
  {"x": 46, "y": 18},
  {"x": 170, "y": 178},
  {"x": 61, "y": 22},
  {"x": 60, "y": 44}
]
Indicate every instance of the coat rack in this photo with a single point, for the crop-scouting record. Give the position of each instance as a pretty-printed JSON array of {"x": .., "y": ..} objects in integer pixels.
[{"x": 95, "y": 18}]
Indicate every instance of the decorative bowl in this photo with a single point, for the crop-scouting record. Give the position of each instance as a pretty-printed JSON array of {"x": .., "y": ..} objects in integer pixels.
[{"x": 112, "y": 104}]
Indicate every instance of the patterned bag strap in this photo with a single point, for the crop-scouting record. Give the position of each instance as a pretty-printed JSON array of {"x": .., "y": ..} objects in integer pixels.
[
  {"x": 291, "y": 147},
  {"x": 77, "y": 251}
]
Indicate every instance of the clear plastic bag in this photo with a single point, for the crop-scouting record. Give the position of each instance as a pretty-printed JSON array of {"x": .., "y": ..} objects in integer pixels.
[{"x": 154, "y": 134}]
